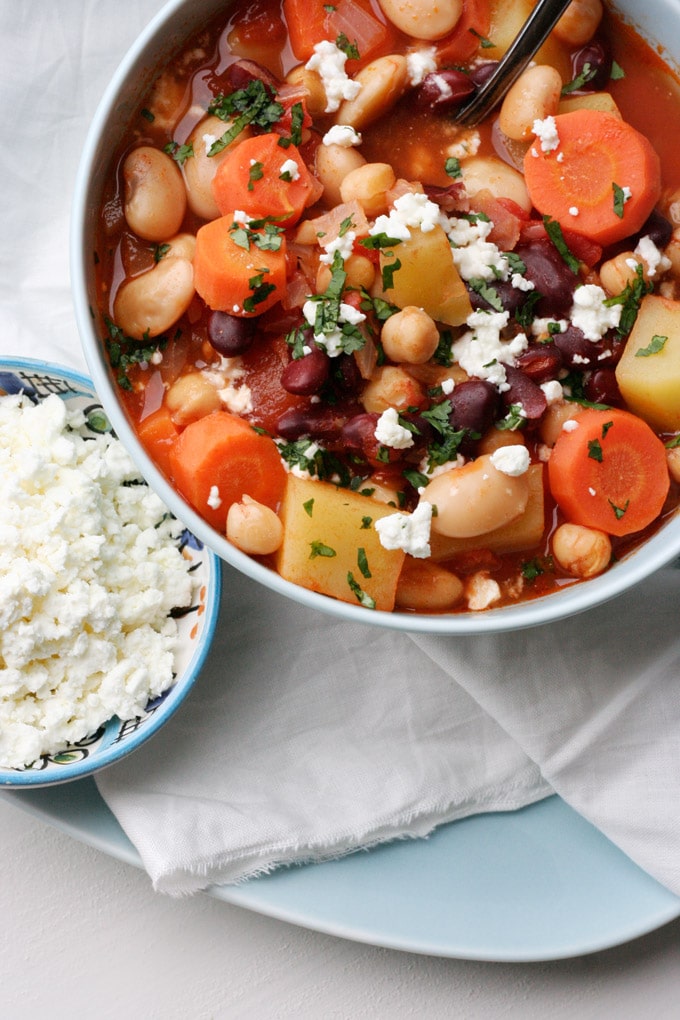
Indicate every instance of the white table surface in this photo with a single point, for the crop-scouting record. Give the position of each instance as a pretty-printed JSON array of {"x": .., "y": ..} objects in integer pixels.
[{"x": 83, "y": 935}]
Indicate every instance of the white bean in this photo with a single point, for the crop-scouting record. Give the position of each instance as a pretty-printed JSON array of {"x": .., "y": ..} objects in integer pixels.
[
  {"x": 155, "y": 199},
  {"x": 581, "y": 551},
  {"x": 333, "y": 164},
  {"x": 579, "y": 22},
  {"x": 427, "y": 587},
  {"x": 534, "y": 96},
  {"x": 423, "y": 19},
  {"x": 147, "y": 305},
  {"x": 383, "y": 82},
  {"x": 488, "y": 173},
  {"x": 200, "y": 169},
  {"x": 253, "y": 527},
  {"x": 368, "y": 185},
  {"x": 181, "y": 246},
  {"x": 475, "y": 499}
]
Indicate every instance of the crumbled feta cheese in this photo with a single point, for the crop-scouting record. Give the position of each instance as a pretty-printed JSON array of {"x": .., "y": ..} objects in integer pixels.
[
  {"x": 573, "y": 210},
  {"x": 520, "y": 282},
  {"x": 410, "y": 532},
  {"x": 511, "y": 460},
  {"x": 448, "y": 386},
  {"x": 290, "y": 168},
  {"x": 465, "y": 145},
  {"x": 227, "y": 378},
  {"x": 651, "y": 256},
  {"x": 546, "y": 131},
  {"x": 209, "y": 141},
  {"x": 420, "y": 63},
  {"x": 553, "y": 391},
  {"x": 343, "y": 135},
  {"x": 543, "y": 327},
  {"x": 389, "y": 432},
  {"x": 474, "y": 256},
  {"x": 344, "y": 243},
  {"x": 570, "y": 425},
  {"x": 333, "y": 341},
  {"x": 328, "y": 60},
  {"x": 89, "y": 574},
  {"x": 482, "y": 352},
  {"x": 591, "y": 314},
  {"x": 214, "y": 501},
  {"x": 409, "y": 210},
  {"x": 481, "y": 591}
]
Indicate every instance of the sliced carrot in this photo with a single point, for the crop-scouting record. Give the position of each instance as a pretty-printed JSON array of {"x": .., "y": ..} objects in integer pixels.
[
  {"x": 603, "y": 179},
  {"x": 157, "y": 434},
  {"x": 232, "y": 273},
  {"x": 311, "y": 21},
  {"x": 610, "y": 472},
  {"x": 263, "y": 178},
  {"x": 223, "y": 455}
]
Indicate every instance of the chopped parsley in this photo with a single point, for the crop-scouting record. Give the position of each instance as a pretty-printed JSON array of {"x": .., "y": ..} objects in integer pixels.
[
  {"x": 379, "y": 241},
  {"x": 656, "y": 344},
  {"x": 351, "y": 50},
  {"x": 531, "y": 569},
  {"x": 321, "y": 549},
  {"x": 254, "y": 105},
  {"x": 485, "y": 43},
  {"x": 148, "y": 115},
  {"x": 616, "y": 72},
  {"x": 363, "y": 598},
  {"x": 620, "y": 199},
  {"x": 619, "y": 511},
  {"x": 487, "y": 293},
  {"x": 595, "y": 450},
  {"x": 264, "y": 234},
  {"x": 256, "y": 173},
  {"x": 513, "y": 420},
  {"x": 452, "y": 168},
  {"x": 260, "y": 290},
  {"x": 388, "y": 274},
  {"x": 124, "y": 351},
  {"x": 297, "y": 118},
  {"x": 306, "y": 455},
  {"x": 444, "y": 353},
  {"x": 445, "y": 448},
  {"x": 362, "y": 562},
  {"x": 554, "y": 232},
  {"x": 630, "y": 297},
  {"x": 159, "y": 251},
  {"x": 180, "y": 153},
  {"x": 308, "y": 507},
  {"x": 366, "y": 522},
  {"x": 586, "y": 75}
]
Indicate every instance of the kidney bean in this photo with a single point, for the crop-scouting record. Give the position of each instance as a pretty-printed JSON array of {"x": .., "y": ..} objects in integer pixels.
[
  {"x": 579, "y": 353},
  {"x": 474, "y": 407},
  {"x": 510, "y": 297},
  {"x": 526, "y": 392},
  {"x": 453, "y": 198},
  {"x": 540, "y": 362},
  {"x": 596, "y": 55},
  {"x": 602, "y": 387},
  {"x": 444, "y": 89},
  {"x": 551, "y": 276},
  {"x": 480, "y": 74},
  {"x": 358, "y": 434},
  {"x": 657, "y": 228},
  {"x": 316, "y": 421},
  {"x": 346, "y": 375},
  {"x": 230, "y": 335},
  {"x": 305, "y": 376}
]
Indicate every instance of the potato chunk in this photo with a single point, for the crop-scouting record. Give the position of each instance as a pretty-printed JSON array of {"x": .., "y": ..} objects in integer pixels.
[
  {"x": 330, "y": 544},
  {"x": 425, "y": 276},
  {"x": 648, "y": 373}
]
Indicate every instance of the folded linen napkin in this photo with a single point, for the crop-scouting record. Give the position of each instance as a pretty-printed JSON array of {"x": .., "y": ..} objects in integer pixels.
[{"x": 307, "y": 738}]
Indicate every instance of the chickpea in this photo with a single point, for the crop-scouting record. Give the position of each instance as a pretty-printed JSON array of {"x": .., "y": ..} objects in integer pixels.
[
  {"x": 534, "y": 96},
  {"x": 616, "y": 273},
  {"x": 579, "y": 22},
  {"x": 427, "y": 587},
  {"x": 152, "y": 302},
  {"x": 253, "y": 527},
  {"x": 475, "y": 499},
  {"x": 200, "y": 168},
  {"x": 368, "y": 185},
  {"x": 391, "y": 386},
  {"x": 489, "y": 173},
  {"x": 360, "y": 271},
  {"x": 673, "y": 458},
  {"x": 495, "y": 438},
  {"x": 581, "y": 551},
  {"x": 410, "y": 336},
  {"x": 422, "y": 19},
  {"x": 554, "y": 418},
  {"x": 311, "y": 82},
  {"x": 191, "y": 397},
  {"x": 383, "y": 82},
  {"x": 155, "y": 199},
  {"x": 333, "y": 164}
]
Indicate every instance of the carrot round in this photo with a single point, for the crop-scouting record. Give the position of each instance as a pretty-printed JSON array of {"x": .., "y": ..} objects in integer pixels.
[
  {"x": 263, "y": 178},
  {"x": 609, "y": 472},
  {"x": 232, "y": 273},
  {"x": 157, "y": 433},
  {"x": 218, "y": 459},
  {"x": 602, "y": 180}
]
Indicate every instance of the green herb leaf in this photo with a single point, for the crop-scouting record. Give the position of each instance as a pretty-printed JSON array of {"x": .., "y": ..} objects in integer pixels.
[
  {"x": 350, "y": 50},
  {"x": 656, "y": 344},
  {"x": 487, "y": 293},
  {"x": 381, "y": 240},
  {"x": 416, "y": 478},
  {"x": 362, "y": 597},
  {"x": 362, "y": 562},
  {"x": 180, "y": 153},
  {"x": 576, "y": 84},
  {"x": 513, "y": 420},
  {"x": 619, "y": 200},
  {"x": 366, "y": 521},
  {"x": 260, "y": 291},
  {"x": 616, "y": 72},
  {"x": 308, "y": 507},
  {"x": 554, "y": 232},
  {"x": 255, "y": 104},
  {"x": 321, "y": 549},
  {"x": 297, "y": 118},
  {"x": 619, "y": 511},
  {"x": 485, "y": 43},
  {"x": 388, "y": 274},
  {"x": 256, "y": 173},
  {"x": 160, "y": 251},
  {"x": 595, "y": 450},
  {"x": 452, "y": 168}
]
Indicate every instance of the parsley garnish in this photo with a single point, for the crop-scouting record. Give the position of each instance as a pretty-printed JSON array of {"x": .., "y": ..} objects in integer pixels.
[
  {"x": 619, "y": 200},
  {"x": 376, "y": 241},
  {"x": 160, "y": 251},
  {"x": 656, "y": 344},
  {"x": 595, "y": 450},
  {"x": 351, "y": 50},
  {"x": 124, "y": 351},
  {"x": 366, "y": 521},
  {"x": 616, "y": 72},
  {"x": 487, "y": 293},
  {"x": 321, "y": 549},
  {"x": 264, "y": 234},
  {"x": 452, "y": 168},
  {"x": 630, "y": 298},
  {"x": 320, "y": 463},
  {"x": 362, "y": 562},
  {"x": 446, "y": 448},
  {"x": 485, "y": 43},
  {"x": 308, "y": 507},
  {"x": 255, "y": 104},
  {"x": 444, "y": 353},
  {"x": 514, "y": 419},
  {"x": 554, "y": 232},
  {"x": 346, "y": 225},
  {"x": 148, "y": 115},
  {"x": 180, "y": 153},
  {"x": 256, "y": 173},
  {"x": 362, "y": 597},
  {"x": 297, "y": 117},
  {"x": 619, "y": 511},
  {"x": 388, "y": 272},
  {"x": 587, "y": 74},
  {"x": 416, "y": 478},
  {"x": 673, "y": 444},
  {"x": 260, "y": 290}
]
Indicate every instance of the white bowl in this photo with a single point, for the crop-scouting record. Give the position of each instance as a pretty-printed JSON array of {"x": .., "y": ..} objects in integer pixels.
[
  {"x": 166, "y": 32},
  {"x": 196, "y": 625}
]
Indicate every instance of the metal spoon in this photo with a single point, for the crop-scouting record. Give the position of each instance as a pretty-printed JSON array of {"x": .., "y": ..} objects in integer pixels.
[{"x": 530, "y": 38}]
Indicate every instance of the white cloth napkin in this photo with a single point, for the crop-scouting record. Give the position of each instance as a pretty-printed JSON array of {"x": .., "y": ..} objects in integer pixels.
[{"x": 305, "y": 737}]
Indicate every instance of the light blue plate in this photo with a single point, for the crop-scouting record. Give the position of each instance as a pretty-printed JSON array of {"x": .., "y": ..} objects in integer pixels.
[{"x": 529, "y": 885}]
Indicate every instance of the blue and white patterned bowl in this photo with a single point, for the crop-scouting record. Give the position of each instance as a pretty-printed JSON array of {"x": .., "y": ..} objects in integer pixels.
[{"x": 118, "y": 737}]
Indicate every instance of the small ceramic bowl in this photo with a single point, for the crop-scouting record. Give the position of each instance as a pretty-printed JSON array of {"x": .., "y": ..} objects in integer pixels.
[
  {"x": 196, "y": 624},
  {"x": 162, "y": 38}
]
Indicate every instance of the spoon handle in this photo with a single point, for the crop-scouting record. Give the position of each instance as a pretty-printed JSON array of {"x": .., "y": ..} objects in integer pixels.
[{"x": 530, "y": 38}]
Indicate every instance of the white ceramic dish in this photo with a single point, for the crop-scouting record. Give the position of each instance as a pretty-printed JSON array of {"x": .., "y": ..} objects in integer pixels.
[
  {"x": 163, "y": 35},
  {"x": 118, "y": 737}
]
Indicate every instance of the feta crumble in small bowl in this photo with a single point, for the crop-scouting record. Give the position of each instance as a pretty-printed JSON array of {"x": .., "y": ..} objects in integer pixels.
[{"x": 108, "y": 605}]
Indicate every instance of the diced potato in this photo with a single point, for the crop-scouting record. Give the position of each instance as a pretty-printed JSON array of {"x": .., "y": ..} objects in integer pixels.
[
  {"x": 600, "y": 101},
  {"x": 648, "y": 373},
  {"x": 522, "y": 533},
  {"x": 427, "y": 277},
  {"x": 507, "y": 17},
  {"x": 328, "y": 536}
]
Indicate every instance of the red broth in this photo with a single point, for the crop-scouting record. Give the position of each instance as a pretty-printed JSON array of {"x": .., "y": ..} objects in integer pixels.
[{"x": 254, "y": 354}]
